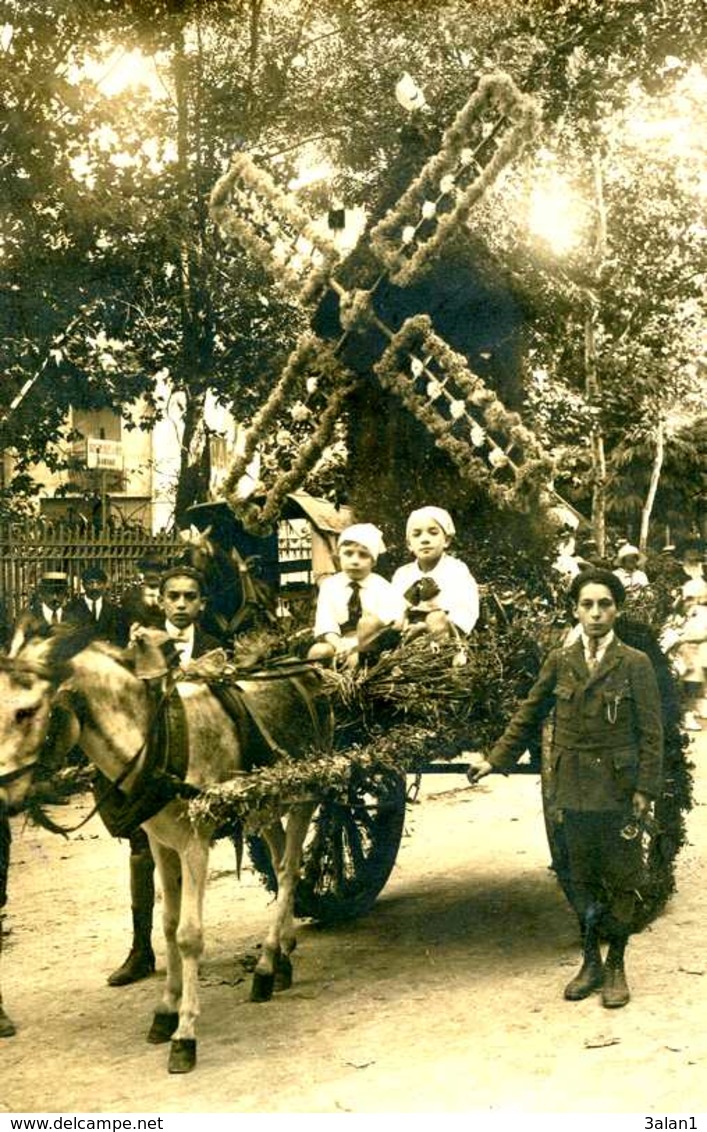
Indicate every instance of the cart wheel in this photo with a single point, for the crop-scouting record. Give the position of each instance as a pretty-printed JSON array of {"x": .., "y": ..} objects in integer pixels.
[{"x": 350, "y": 850}]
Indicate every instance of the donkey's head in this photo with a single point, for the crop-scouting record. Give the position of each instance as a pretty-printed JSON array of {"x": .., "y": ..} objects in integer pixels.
[{"x": 27, "y": 682}]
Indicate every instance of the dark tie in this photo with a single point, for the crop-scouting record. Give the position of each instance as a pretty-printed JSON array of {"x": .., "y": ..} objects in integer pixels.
[
  {"x": 181, "y": 644},
  {"x": 92, "y": 605},
  {"x": 55, "y": 616},
  {"x": 354, "y": 608},
  {"x": 592, "y": 659}
]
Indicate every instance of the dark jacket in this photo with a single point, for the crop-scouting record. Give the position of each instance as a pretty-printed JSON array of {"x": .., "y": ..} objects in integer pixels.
[
  {"x": 112, "y": 625},
  {"x": 203, "y": 642},
  {"x": 607, "y": 738}
]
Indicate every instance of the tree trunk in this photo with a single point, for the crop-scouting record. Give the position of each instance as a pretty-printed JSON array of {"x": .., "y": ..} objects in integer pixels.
[
  {"x": 194, "y": 464},
  {"x": 195, "y": 309},
  {"x": 647, "y": 509},
  {"x": 593, "y": 391},
  {"x": 592, "y": 383}
]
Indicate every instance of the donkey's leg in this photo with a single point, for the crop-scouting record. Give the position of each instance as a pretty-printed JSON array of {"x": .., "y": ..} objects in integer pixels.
[
  {"x": 297, "y": 825},
  {"x": 166, "y": 1017},
  {"x": 274, "y": 963},
  {"x": 190, "y": 940},
  {"x": 264, "y": 974},
  {"x": 7, "y": 1028}
]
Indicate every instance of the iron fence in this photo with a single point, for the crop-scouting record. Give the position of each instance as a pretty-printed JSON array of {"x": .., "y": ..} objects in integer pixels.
[{"x": 31, "y": 547}]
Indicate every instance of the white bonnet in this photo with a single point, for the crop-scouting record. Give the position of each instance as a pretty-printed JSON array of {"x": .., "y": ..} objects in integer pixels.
[
  {"x": 441, "y": 517},
  {"x": 627, "y": 551},
  {"x": 367, "y": 535}
]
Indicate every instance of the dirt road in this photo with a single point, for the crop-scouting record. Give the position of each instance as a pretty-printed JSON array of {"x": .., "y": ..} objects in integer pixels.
[{"x": 446, "y": 998}]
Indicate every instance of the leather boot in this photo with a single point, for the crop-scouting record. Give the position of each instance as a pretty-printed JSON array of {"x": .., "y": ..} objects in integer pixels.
[
  {"x": 615, "y": 991},
  {"x": 591, "y": 974},
  {"x": 7, "y": 1028},
  {"x": 141, "y": 959}
]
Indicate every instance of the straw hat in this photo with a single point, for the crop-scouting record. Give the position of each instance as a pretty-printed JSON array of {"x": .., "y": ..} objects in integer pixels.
[{"x": 628, "y": 550}]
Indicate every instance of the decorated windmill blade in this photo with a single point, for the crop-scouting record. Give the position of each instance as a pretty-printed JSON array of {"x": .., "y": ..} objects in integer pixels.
[
  {"x": 486, "y": 135},
  {"x": 315, "y": 384},
  {"x": 249, "y": 206},
  {"x": 467, "y": 419}
]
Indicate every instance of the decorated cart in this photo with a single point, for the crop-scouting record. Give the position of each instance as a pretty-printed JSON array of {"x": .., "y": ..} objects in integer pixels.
[{"x": 379, "y": 356}]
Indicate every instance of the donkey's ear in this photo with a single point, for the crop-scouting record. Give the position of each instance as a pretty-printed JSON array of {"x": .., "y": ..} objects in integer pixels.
[
  {"x": 35, "y": 656},
  {"x": 49, "y": 657}
]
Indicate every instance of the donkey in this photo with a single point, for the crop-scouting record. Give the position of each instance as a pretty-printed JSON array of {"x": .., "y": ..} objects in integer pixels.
[{"x": 110, "y": 712}]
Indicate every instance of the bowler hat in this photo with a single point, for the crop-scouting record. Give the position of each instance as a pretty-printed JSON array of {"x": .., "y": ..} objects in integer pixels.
[{"x": 94, "y": 574}]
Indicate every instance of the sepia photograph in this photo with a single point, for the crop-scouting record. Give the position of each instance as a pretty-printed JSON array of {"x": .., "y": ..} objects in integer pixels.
[{"x": 353, "y": 561}]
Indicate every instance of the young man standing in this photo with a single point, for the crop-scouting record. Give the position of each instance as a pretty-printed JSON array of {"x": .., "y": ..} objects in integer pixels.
[
  {"x": 182, "y": 600},
  {"x": 606, "y": 763}
]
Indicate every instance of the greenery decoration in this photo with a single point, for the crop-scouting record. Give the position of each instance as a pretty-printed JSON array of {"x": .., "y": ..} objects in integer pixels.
[
  {"x": 410, "y": 706},
  {"x": 261, "y": 520},
  {"x": 454, "y": 180}
]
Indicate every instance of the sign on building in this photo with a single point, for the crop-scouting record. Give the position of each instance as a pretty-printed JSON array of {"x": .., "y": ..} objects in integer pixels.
[{"x": 107, "y": 455}]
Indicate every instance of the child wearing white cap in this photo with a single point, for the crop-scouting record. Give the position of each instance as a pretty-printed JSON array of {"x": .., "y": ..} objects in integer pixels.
[
  {"x": 628, "y": 561},
  {"x": 440, "y": 593},
  {"x": 355, "y": 605}
]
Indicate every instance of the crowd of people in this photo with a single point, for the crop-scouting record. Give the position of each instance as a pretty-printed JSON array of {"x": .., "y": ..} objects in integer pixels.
[{"x": 602, "y": 693}]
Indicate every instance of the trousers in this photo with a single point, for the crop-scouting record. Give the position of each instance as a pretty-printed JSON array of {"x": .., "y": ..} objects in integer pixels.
[{"x": 605, "y": 869}]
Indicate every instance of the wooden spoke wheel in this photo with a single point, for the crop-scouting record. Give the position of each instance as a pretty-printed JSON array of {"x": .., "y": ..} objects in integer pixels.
[{"x": 350, "y": 850}]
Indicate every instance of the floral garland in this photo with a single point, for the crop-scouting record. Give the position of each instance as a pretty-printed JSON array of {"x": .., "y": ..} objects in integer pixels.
[
  {"x": 315, "y": 368},
  {"x": 440, "y": 178},
  {"x": 259, "y": 797},
  {"x": 249, "y": 206},
  {"x": 355, "y": 309},
  {"x": 308, "y": 351},
  {"x": 442, "y": 412},
  {"x": 259, "y": 520}
]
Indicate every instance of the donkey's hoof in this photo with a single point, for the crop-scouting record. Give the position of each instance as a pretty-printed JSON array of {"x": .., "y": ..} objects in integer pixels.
[
  {"x": 7, "y": 1026},
  {"x": 182, "y": 1055},
  {"x": 163, "y": 1026},
  {"x": 283, "y": 973},
  {"x": 262, "y": 988}
]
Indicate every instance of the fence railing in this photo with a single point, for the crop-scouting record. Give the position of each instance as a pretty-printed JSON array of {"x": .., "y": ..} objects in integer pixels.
[{"x": 31, "y": 547}]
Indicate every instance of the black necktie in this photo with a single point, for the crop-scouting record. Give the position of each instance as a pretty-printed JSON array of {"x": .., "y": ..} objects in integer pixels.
[
  {"x": 354, "y": 607},
  {"x": 55, "y": 616}
]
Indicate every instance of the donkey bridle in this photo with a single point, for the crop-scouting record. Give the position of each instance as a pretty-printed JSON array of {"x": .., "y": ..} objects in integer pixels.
[{"x": 19, "y": 772}]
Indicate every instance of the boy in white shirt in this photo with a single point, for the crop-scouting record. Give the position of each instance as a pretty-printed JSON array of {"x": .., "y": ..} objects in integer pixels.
[
  {"x": 440, "y": 593},
  {"x": 628, "y": 562},
  {"x": 355, "y": 605}
]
